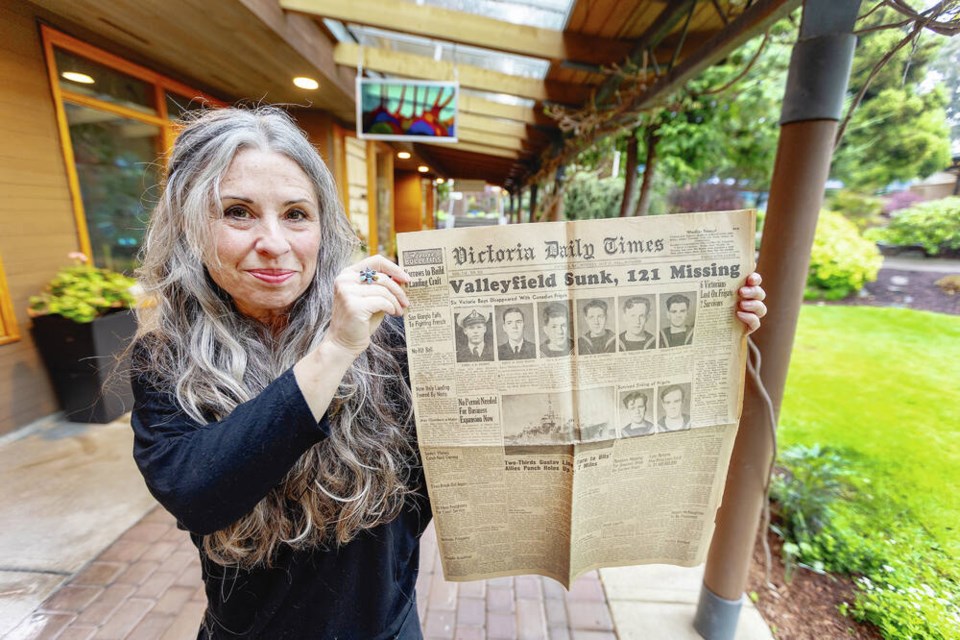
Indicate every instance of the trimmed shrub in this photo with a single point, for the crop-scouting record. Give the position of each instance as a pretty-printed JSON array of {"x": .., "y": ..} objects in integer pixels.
[
  {"x": 841, "y": 261},
  {"x": 933, "y": 225},
  {"x": 588, "y": 197},
  {"x": 862, "y": 210}
]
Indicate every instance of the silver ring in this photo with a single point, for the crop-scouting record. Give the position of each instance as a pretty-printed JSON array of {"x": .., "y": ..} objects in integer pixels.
[{"x": 368, "y": 276}]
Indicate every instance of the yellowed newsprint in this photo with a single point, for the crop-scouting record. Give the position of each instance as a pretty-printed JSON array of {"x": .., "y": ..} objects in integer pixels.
[{"x": 577, "y": 388}]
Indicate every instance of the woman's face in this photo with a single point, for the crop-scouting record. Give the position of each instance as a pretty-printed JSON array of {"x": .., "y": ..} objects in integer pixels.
[{"x": 268, "y": 233}]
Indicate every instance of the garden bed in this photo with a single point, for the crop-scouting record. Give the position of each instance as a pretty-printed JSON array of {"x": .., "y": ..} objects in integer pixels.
[
  {"x": 806, "y": 607},
  {"x": 908, "y": 289}
]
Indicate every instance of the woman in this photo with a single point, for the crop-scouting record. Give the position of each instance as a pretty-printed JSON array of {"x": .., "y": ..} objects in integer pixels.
[{"x": 273, "y": 415}]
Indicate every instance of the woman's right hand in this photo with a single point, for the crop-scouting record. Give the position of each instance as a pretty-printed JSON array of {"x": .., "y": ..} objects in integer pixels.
[{"x": 359, "y": 307}]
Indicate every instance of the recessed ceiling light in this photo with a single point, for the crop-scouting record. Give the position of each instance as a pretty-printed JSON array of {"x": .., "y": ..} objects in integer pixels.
[
  {"x": 403, "y": 155},
  {"x": 75, "y": 76},
  {"x": 423, "y": 168},
  {"x": 306, "y": 83}
]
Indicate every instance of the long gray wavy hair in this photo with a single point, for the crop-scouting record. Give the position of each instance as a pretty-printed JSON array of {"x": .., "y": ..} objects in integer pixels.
[{"x": 214, "y": 358}]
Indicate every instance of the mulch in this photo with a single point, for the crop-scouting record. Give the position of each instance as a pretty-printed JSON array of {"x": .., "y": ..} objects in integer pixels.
[
  {"x": 808, "y": 606},
  {"x": 906, "y": 289}
]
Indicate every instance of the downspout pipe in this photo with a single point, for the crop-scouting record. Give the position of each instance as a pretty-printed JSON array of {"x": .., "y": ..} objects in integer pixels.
[{"x": 812, "y": 105}]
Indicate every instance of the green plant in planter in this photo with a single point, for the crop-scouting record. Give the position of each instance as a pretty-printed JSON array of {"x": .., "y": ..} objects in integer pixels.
[{"x": 83, "y": 293}]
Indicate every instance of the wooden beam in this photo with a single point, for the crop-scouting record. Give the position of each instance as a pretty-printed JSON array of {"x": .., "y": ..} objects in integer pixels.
[
  {"x": 481, "y": 107},
  {"x": 413, "y": 66},
  {"x": 489, "y": 139},
  {"x": 466, "y": 28},
  {"x": 760, "y": 14},
  {"x": 664, "y": 23},
  {"x": 485, "y": 150},
  {"x": 492, "y": 125}
]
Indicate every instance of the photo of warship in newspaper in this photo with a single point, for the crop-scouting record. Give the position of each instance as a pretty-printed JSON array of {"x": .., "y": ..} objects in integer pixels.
[{"x": 558, "y": 418}]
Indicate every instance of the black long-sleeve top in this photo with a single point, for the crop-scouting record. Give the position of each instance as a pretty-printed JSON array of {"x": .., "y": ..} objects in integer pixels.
[{"x": 210, "y": 475}]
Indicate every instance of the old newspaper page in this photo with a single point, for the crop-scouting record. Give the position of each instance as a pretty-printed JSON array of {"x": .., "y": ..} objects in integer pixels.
[{"x": 577, "y": 388}]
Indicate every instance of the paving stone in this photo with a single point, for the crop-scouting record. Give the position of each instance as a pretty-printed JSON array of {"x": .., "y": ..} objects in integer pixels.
[
  {"x": 159, "y": 514},
  {"x": 593, "y": 616},
  {"x": 124, "y": 619},
  {"x": 531, "y": 620},
  {"x": 499, "y": 599},
  {"x": 160, "y": 551},
  {"x": 587, "y": 588},
  {"x": 559, "y": 633},
  {"x": 501, "y": 626},
  {"x": 579, "y": 634},
  {"x": 175, "y": 535},
  {"x": 443, "y": 594},
  {"x": 173, "y": 599},
  {"x": 41, "y": 626},
  {"x": 99, "y": 573},
  {"x": 553, "y": 589},
  {"x": 501, "y": 582},
  {"x": 124, "y": 551},
  {"x": 71, "y": 598},
  {"x": 78, "y": 632},
  {"x": 422, "y": 609},
  {"x": 440, "y": 624},
  {"x": 469, "y": 633},
  {"x": 475, "y": 589},
  {"x": 556, "y": 611},
  {"x": 152, "y": 627},
  {"x": 137, "y": 573},
  {"x": 155, "y": 586},
  {"x": 471, "y": 612},
  {"x": 146, "y": 531},
  {"x": 106, "y": 603},
  {"x": 190, "y": 576},
  {"x": 186, "y": 624},
  {"x": 528, "y": 587},
  {"x": 180, "y": 560}
]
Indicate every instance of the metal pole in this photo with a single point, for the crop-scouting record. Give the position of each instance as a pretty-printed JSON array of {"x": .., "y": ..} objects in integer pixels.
[
  {"x": 813, "y": 101},
  {"x": 533, "y": 201}
]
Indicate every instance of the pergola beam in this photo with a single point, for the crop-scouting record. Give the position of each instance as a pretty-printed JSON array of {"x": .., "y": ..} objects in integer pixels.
[
  {"x": 481, "y": 107},
  {"x": 734, "y": 34},
  {"x": 489, "y": 139},
  {"x": 413, "y": 66},
  {"x": 485, "y": 150},
  {"x": 466, "y": 28},
  {"x": 492, "y": 125}
]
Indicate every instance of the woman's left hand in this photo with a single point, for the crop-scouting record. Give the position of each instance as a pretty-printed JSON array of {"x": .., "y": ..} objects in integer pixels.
[{"x": 750, "y": 308}]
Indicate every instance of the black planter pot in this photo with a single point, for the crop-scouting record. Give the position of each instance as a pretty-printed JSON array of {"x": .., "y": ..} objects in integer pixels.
[{"x": 83, "y": 360}]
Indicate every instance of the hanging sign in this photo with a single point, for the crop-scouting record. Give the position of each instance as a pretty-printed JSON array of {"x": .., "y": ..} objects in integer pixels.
[{"x": 417, "y": 110}]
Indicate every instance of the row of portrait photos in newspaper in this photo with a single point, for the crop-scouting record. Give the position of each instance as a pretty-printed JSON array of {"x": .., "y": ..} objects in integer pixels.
[
  {"x": 587, "y": 326},
  {"x": 601, "y": 413}
]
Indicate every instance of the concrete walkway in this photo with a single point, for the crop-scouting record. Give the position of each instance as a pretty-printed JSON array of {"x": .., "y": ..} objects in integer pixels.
[
  {"x": 85, "y": 552},
  {"x": 936, "y": 265}
]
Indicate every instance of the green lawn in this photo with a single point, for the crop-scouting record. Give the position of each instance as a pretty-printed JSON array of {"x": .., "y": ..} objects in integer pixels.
[{"x": 883, "y": 387}]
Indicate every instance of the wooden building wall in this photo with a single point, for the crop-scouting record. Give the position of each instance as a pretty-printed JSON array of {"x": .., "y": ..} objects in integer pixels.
[
  {"x": 409, "y": 201},
  {"x": 37, "y": 227}
]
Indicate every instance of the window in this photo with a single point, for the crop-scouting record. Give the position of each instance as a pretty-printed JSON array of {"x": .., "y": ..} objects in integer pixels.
[
  {"x": 8, "y": 322},
  {"x": 116, "y": 121}
]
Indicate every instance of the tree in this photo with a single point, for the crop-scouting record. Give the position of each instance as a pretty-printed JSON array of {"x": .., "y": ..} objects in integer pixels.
[
  {"x": 947, "y": 67},
  {"x": 899, "y": 130},
  {"x": 722, "y": 124}
]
